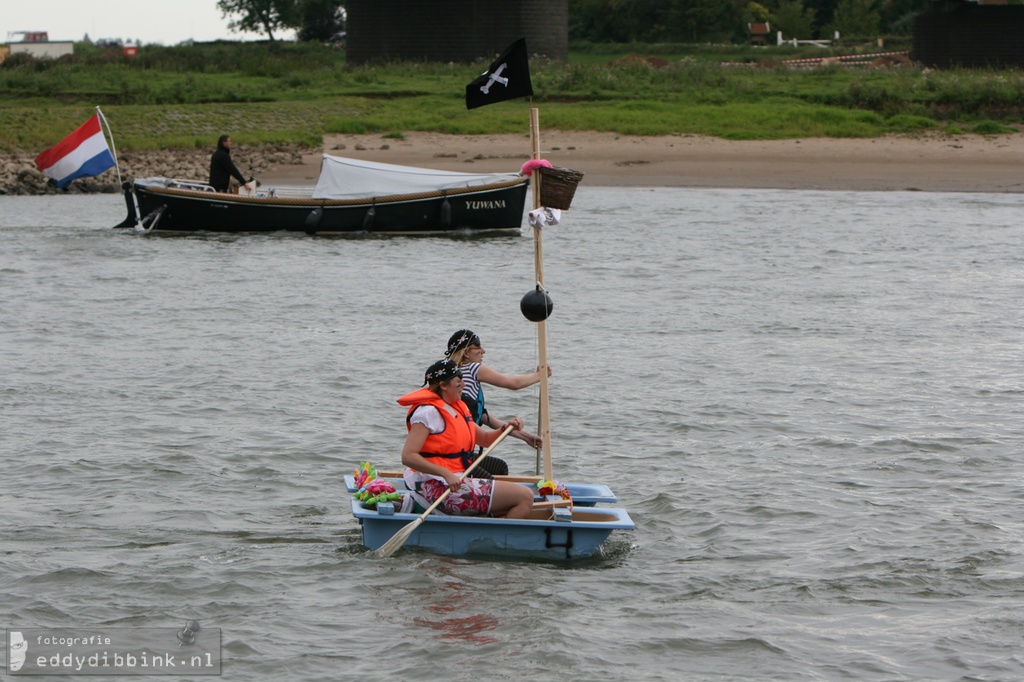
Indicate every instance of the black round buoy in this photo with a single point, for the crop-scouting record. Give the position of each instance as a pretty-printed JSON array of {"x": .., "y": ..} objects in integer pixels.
[
  {"x": 187, "y": 635},
  {"x": 536, "y": 305}
]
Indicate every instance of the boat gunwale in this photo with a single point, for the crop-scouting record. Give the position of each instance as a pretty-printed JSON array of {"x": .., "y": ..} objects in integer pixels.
[
  {"x": 618, "y": 518},
  {"x": 583, "y": 494}
]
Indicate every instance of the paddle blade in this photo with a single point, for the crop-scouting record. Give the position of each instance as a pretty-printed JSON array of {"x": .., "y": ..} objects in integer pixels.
[{"x": 396, "y": 542}]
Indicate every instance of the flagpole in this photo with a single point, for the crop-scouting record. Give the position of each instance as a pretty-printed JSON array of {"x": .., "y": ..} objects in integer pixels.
[
  {"x": 508, "y": 77},
  {"x": 113, "y": 148},
  {"x": 542, "y": 340}
]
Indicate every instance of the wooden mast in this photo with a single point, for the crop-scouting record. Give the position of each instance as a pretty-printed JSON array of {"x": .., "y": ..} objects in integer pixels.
[{"x": 542, "y": 341}]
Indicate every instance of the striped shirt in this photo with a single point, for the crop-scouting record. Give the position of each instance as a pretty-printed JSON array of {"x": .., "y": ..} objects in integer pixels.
[
  {"x": 470, "y": 384},
  {"x": 472, "y": 391}
]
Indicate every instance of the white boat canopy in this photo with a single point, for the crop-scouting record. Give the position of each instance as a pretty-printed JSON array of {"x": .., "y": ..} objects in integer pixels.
[{"x": 342, "y": 178}]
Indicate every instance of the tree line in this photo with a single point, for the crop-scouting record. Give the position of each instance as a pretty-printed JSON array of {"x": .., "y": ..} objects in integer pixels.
[
  {"x": 627, "y": 21},
  {"x": 699, "y": 21}
]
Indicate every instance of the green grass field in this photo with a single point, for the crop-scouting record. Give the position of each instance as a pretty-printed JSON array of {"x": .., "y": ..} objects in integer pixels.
[{"x": 175, "y": 97}]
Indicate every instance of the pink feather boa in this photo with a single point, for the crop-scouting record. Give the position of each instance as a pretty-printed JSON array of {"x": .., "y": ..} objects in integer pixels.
[{"x": 528, "y": 167}]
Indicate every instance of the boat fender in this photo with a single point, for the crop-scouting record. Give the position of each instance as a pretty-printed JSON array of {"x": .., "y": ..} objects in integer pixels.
[
  {"x": 314, "y": 218},
  {"x": 536, "y": 305},
  {"x": 369, "y": 217},
  {"x": 132, "y": 219},
  {"x": 446, "y": 213}
]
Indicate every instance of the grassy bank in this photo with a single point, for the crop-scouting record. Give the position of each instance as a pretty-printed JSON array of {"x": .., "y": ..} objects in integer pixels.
[{"x": 178, "y": 97}]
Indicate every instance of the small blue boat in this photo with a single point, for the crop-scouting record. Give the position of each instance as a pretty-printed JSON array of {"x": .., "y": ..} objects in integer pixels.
[
  {"x": 539, "y": 537},
  {"x": 553, "y": 533}
]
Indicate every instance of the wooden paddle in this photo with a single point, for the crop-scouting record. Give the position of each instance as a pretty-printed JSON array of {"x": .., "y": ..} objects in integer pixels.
[{"x": 396, "y": 542}]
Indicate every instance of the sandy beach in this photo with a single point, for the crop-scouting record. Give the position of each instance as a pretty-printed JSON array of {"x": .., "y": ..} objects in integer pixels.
[
  {"x": 931, "y": 162},
  {"x": 967, "y": 163}
]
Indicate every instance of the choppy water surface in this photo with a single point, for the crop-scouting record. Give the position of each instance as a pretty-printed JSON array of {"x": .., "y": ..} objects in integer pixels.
[{"x": 810, "y": 403}]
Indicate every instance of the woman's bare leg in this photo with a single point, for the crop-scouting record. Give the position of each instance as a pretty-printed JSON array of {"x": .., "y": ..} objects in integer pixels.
[{"x": 511, "y": 500}]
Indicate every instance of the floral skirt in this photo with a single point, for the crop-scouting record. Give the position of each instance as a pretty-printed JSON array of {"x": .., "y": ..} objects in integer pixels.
[{"x": 472, "y": 499}]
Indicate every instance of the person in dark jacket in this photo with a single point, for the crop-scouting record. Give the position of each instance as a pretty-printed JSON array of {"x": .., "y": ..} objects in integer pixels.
[{"x": 222, "y": 168}]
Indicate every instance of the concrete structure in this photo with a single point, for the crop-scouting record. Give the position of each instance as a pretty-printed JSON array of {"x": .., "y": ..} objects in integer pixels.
[
  {"x": 37, "y": 44},
  {"x": 47, "y": 50},
  {"x": 454, "y": 30}
]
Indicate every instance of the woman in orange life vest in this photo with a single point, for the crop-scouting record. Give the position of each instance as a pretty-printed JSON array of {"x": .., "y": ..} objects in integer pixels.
[{"x": 439, "y": 447}]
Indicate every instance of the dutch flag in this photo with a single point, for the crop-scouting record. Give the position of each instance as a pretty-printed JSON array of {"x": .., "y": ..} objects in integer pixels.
[{"x": 81, "y": 154}]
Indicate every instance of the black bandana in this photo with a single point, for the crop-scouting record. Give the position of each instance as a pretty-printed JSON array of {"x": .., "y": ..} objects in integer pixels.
[
  {"x": 442, "y": 370},
  {"x": 464, "y": 338}
]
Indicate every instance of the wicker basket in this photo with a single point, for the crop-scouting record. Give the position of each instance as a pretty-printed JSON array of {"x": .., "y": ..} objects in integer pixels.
[{"x": 557, "y": 185}]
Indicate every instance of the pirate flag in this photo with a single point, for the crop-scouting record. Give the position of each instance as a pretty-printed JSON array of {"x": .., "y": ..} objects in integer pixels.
[{"x": 507, "y": 78}]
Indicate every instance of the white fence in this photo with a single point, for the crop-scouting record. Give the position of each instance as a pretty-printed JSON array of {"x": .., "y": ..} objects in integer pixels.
[{"x": 794, "y": 42}]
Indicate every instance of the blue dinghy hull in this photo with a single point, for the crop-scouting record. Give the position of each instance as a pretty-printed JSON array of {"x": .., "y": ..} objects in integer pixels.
[{"x": 532, "y": 538}]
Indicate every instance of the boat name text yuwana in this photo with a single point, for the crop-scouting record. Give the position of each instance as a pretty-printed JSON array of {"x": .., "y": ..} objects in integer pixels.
[{"x": 484, "y": 205}]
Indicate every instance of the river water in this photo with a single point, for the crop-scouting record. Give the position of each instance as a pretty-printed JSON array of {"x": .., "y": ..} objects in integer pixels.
[{"x": 809, "y": 402}]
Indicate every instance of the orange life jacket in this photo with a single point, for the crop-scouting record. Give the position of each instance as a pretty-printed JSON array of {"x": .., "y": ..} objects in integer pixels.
[{"x": 453, "y": 447}]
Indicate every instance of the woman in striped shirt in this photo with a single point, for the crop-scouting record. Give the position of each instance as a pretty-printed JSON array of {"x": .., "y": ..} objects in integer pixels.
[{"x": 465, "y": 350}]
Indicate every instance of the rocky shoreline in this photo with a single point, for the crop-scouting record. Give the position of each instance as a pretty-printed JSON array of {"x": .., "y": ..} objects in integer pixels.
[{"x": 18, "y": 174}]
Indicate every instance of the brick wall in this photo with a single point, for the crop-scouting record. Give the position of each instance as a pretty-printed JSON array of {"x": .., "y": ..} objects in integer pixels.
[{"x": 454, "y": 30}]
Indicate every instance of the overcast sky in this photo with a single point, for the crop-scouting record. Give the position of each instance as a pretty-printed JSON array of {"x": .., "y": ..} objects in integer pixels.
[{"x": 148, "y": 21}]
